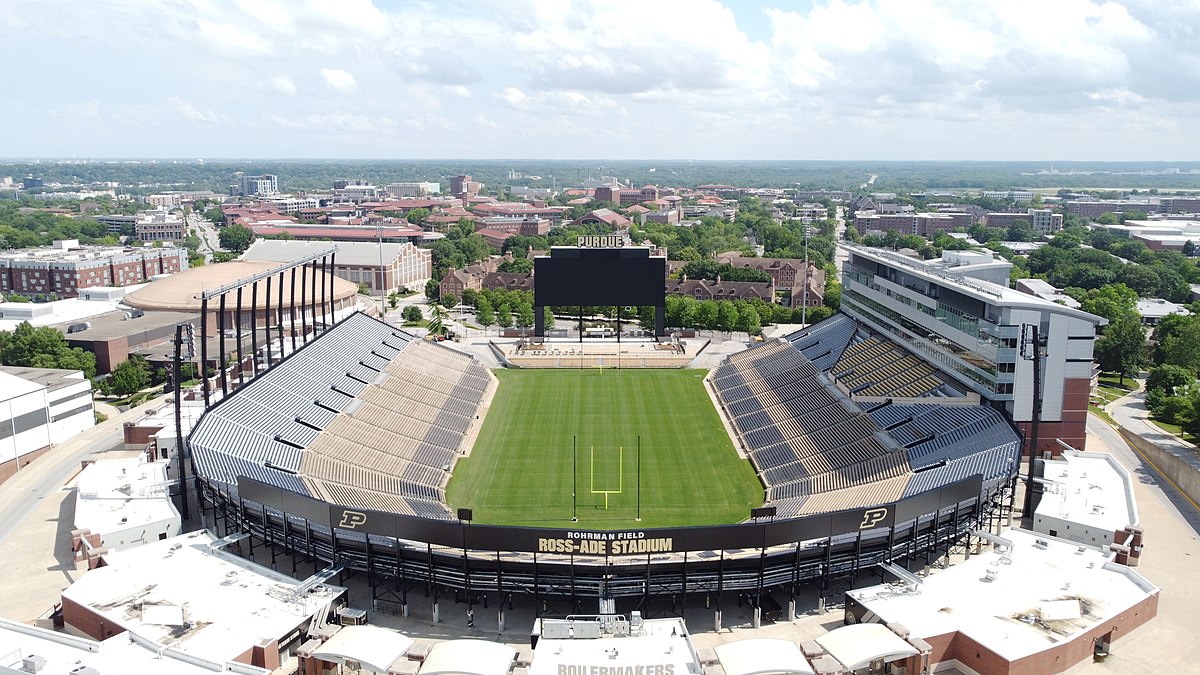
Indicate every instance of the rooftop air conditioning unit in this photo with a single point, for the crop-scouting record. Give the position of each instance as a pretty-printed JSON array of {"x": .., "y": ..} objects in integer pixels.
[{"x": 33, "y": 663}]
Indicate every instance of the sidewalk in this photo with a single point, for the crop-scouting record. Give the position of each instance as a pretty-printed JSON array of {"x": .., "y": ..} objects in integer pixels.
[{"x": 1130, "y": 412}]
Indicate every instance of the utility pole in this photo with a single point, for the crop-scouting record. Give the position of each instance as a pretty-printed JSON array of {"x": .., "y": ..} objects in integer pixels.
[{"x": 1031, "y": 350}]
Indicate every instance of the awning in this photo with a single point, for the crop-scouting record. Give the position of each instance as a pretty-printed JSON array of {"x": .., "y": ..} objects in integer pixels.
[
  {"x": 858, "y": 645},
  {"x": 374, "y": 648},
  {"x": 762, "y": 656},
  {"x": 468, "y": 657}
]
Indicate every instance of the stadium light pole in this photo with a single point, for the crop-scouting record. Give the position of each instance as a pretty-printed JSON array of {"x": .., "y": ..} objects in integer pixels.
[
  {"x": 177, "y": 375},
  {"x": 1031, "y": 350}
]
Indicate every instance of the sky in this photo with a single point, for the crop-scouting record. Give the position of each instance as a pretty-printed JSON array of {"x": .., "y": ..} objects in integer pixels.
[{"x": 645, "y": 79}]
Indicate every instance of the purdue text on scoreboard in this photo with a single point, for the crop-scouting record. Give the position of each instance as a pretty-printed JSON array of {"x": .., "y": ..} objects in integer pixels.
[{"x": 601, "y": 241}]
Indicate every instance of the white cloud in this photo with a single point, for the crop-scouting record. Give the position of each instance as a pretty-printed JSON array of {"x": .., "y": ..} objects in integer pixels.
[
  {"x": 337, "y": 79},
  {"x": 283, "y": 85},
  {"x": 192, "y": 114},
  {"x": 233, "y": 39},
  {"x": 834, "y": 78}
]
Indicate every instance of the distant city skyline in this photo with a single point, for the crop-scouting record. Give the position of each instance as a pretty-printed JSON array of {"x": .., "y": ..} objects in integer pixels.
[{"x": 883, "y": 80}]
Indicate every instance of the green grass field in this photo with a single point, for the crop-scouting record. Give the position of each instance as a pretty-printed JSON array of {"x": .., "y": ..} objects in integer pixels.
[{"x": 520, "y": 470}]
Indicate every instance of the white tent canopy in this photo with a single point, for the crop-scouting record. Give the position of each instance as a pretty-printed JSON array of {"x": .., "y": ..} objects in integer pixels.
[
  {"x": 373, "y": 647},
  {"x": 762, "y": 656},
  {"x": 468, "y": 657},
  {"x": 858, "y": 645}
]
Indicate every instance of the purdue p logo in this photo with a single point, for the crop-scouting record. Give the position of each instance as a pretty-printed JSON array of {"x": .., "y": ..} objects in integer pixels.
[
  {"x": 872, "y": 517},
  {"x": 352, "y": 519}
]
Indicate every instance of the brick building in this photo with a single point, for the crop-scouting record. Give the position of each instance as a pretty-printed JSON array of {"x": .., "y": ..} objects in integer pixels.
[
  {"x": 786, "y": 273},
  {"x": 626, "y": 196},
  {"x": 464, "y": 186},
  {"x": 385, "y": 267},
  {"x": 705, "y": 289},
  {"x": 67, "y": 267},
  {"x": 525, "y": 226},
  {"x": 1179, "y": 205},
  {"x": 160, "y": 225}
]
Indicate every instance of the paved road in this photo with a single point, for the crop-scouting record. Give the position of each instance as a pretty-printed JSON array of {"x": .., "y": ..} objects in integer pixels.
[
  {"x": 37, "y": 508},
  {"x": 1172, "y": 527}
]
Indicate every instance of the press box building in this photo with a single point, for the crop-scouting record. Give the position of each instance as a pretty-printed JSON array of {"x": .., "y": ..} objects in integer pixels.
[{"x": 959, "y": 313}]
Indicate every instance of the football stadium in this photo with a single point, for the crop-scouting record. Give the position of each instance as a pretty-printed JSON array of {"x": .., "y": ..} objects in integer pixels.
[
  {"x": 801, "y": 460},
  {"x": 889, "y": 432}
]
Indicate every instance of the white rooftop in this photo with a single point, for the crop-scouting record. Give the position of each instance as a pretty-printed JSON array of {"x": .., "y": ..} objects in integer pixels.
[
  {"x": 858, "y": 645},
  {"x": 468, "y": 657},
  {"x": 994, "y": 294},
  {"x": 60, "y": 311},
  {"x": 228, "y": 604},
  {"x": 659, "y": 641},
  {"x": 122, "y": 494},
  {"x": 14, "y": 386},
  {"x": 1157, "y": 308},
  {"x": 65, "y": 654},
  {"x": 762, "y": 655},
  {"x": 1005, "y": 614},
  {"x": 1158, "y": 226},
  {"x": 373, "y": 647},
  {"x": 1089, "y": 488}
]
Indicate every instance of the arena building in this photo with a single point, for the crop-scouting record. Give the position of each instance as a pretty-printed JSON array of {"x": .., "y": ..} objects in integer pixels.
[{"x": 303, "y": 294}]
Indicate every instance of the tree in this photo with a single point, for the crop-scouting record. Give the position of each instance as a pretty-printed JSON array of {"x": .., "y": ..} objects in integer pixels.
[
  {"x": 504, "y": 316},
  {"x": 748, "y": 320},
  {"x": 1168, "y": 377},
  {"x": 548, "y": 317},
  {"x": 483, "y": 312},
  {"x": 130, "y": 377},
  {"x": 437, "y": 320},
  {"x": 646, "y": 319},
  {"x": 43, "y": 347},
  {"x": 236, "y": 237},
  {"x": 816, "y": 314},
  {"x": 432, "y": 290},
  {"x": 727, "y": 316},
  {"x": 1122, "y": 349},
  {"x": 710, "y": 269},
  {"x": 1111, "y": 302},
  {"x": 706, "y": 315},
  {"x": 417, "y": 216},
  {"x": 516, "y": 266},
  {"x": 412, "y": 314},
  {"x": 524, "y": 317},
  {"x": 1180, "y": 345}
]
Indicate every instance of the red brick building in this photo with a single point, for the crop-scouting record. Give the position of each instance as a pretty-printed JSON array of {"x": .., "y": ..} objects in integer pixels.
[{"x": 68, "y": 267}]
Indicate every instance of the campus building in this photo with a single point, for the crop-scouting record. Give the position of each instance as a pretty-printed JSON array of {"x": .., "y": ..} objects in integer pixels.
[
  {"x": 250, "y": 186},
  {"x": 959, "y": 314},
  {"x": 40, "y": 407},
  {"x": 66, "y": 268},
  {"x": 383, "y": 267}
]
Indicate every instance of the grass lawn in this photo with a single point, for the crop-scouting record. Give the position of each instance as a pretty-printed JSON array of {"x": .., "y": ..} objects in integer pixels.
[
  {"x": 520, "y": 470},
  {"x": 1174, "y": 429}
]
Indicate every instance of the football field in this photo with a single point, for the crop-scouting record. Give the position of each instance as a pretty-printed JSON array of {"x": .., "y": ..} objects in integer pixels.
[{"x": 552, "y": 433}]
